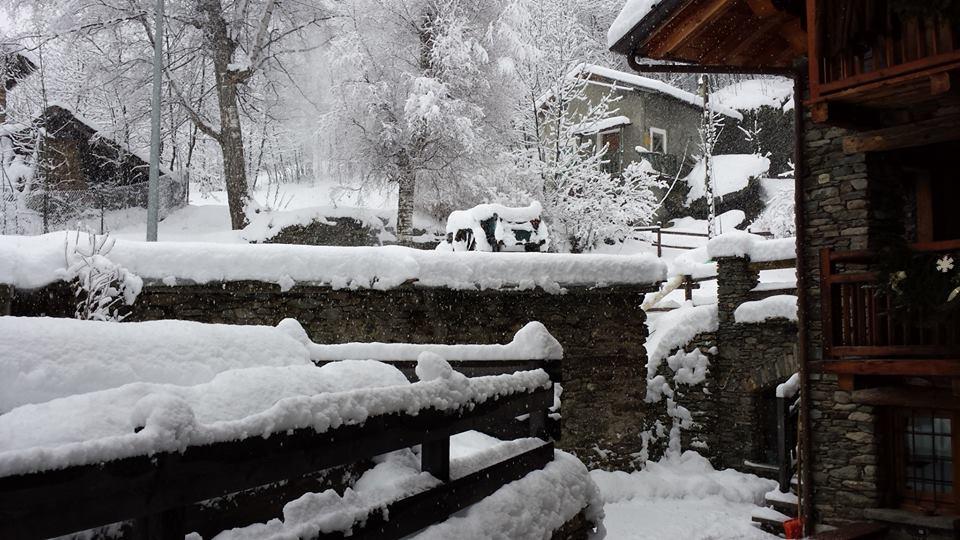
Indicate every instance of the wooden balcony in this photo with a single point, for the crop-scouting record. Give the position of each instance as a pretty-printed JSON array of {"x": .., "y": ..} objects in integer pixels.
[
  {"x": 899, "y": 61},
  {"x": 865, "y": 334}
]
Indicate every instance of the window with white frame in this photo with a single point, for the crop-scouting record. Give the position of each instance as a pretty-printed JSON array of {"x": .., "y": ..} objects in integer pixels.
[{"x": 658, "y": 140}]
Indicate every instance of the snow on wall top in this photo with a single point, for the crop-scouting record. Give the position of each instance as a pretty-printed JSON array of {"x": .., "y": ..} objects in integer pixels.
[
  {"x": 532, "y": 342},
  {"x": 101, "y": 426},
  {"x": 749, "y": 95},
  {"x": 590, "y": 128},
  {"x": 652, "y": 85},
  {"x": 757, "y": 248},
  {"x": 43, "y": 358},
  {"x": 781, "y": 306},
  {"x": 674, "y": 329},
  {"x": 35, "y": 261},
  {"x": 632, "y": 13},
  {"x": 731, "y": 173}
]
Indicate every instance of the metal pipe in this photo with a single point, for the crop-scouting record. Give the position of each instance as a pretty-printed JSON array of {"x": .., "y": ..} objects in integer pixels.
[
  {"x": 805, "y": 471},
  {"x": 694, "y": 68}
]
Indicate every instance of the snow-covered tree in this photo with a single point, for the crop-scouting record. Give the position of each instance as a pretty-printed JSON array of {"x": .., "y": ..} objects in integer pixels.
[{"x": 414, "y": 98}]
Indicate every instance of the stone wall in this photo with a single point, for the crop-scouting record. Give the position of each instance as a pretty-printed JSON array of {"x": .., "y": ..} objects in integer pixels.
[
  {"x": 753, "y": 358},
  {"x": 602, "y": 331}
]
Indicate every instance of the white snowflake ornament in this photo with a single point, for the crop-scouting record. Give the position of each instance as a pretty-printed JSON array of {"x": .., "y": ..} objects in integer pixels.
[{"x": 945, "y": 264}]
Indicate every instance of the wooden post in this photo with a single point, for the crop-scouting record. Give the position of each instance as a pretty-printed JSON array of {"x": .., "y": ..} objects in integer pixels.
[
  {"x": 538, "y": 424},
  {"x": 783, "y": 451},
  {"x": 688, "y": 287},
  {"x": 659, "y": 240},
  {"x": 435, "y": 458}
]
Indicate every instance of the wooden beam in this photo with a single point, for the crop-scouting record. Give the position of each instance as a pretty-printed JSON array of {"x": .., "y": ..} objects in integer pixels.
[
  {"x": 762, "y": 8},
  {"x": 744, "y": 43},
  {"x": 917, "y": 367},
  {"x": 690, "y": 27},
  {"x": 906, "y": 397},
  {"x": 922, "y": 133}
]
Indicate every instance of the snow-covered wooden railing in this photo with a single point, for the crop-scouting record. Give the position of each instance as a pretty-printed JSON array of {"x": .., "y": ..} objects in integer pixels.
[{"x": 168, "y": 494}]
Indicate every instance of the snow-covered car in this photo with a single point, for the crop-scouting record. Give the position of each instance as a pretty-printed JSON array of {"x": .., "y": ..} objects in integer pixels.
[{"x": 494, "y": 227}]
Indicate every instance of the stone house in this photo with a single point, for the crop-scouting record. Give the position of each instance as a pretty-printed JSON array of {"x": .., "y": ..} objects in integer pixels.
[
  {"x": 650, "y": 120},
  {"x": 878, "y": 121}
]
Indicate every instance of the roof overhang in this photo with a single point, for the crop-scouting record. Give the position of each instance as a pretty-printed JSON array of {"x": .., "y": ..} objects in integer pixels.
[{"x": 748, "y": 34}]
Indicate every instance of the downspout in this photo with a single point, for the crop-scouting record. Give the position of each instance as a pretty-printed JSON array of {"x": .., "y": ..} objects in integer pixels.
[{"x": 805, "y": 472}]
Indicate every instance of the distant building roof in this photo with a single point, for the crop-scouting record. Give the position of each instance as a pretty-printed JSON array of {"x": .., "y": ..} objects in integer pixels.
[
  {"x": 651, "y": 85},
  {"x": 19, "y": 63}
]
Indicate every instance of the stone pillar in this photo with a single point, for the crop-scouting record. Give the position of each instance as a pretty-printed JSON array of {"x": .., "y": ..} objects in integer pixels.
[{"x": 735, "y": 280}]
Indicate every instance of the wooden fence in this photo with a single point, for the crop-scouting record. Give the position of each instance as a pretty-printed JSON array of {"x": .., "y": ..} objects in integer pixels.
[
  {"x": 660, "y": 232},
  {"x": 861, "y": 321},
  {"x": 170, "y": 494}
]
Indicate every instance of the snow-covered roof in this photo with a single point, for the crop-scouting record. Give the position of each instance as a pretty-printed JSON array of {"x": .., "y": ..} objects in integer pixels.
[
  {"x": 776, "y": 92},
  {"x": 35, "y": 261},
  {"x": 590, "y": 128},
  {"x": 730, "y": 172},
  {"x": 652, "y": 85},
  {"x": 633, "y": 12}
]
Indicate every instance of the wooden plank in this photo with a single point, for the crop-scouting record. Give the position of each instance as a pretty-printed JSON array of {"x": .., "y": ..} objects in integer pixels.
[
  {"x": 916, "y": 367},
  {"x": 58, "y": 502},
  {"x": 435, "y": 458},
  {"x": 892, "y": 75},
  {"x": 419, "y": 511},
  {"x": 924, "y": 132},
  {"x": 902, "y": 396},
  {"x": 692, "y": 25},
  {"x": 815, "y": 62}
]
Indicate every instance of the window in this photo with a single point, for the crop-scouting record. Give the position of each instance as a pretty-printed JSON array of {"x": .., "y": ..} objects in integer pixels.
[
  {"x": 925, "y": 450},
  {"x": 612, "y": 155},
  {"x": 658, "y": 140}
]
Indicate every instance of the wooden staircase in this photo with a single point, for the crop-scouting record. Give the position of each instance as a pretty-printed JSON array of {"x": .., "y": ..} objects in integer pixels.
[{"x": 780, "y": 508}]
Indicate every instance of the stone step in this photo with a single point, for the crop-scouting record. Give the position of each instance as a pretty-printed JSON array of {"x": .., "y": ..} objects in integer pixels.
[
  {"x": 854, "y": 531},
  {"x": 785, "y": 503},
  {"x": 769, "y": 520}
]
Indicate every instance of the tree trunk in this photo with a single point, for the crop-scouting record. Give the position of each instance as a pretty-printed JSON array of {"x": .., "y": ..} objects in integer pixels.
[
  {"x": 407, "y": 191},
  {"x": 222, "y": 47}
]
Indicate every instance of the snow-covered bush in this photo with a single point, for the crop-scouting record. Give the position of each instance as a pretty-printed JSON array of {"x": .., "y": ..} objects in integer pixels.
[
  {"x": 779, "y": 216},
  {"x": 103, "y": 289}
]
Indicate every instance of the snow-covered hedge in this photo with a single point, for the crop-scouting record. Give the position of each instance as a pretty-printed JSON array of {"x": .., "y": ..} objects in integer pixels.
[{"x": 35, "y": 261}]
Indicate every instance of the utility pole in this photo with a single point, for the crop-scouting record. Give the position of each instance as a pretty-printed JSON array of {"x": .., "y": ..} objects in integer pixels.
[
  {"x": 153, "y": 194},
  {"x": 706, "y": 145}
]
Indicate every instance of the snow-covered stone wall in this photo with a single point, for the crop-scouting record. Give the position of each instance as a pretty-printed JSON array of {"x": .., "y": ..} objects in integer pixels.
[{"x": 601, "y": 329}]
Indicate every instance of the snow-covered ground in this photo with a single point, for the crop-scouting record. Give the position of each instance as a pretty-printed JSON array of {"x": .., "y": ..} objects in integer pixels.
[{"x": 682, "y": 497}]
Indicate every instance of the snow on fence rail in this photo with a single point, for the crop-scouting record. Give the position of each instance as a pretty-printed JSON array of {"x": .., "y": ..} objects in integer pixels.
[
  {"x": 31, "y": 262},
  {"x": 168, "y": 492}
]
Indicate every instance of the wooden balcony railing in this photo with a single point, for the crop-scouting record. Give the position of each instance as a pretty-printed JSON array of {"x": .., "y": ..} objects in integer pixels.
[
  {"x": 903, "y": 46},
  {"x": 860, "y": 320}
]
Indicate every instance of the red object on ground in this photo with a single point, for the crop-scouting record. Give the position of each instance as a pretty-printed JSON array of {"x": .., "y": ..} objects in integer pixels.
[{"x": 793, "y": 528}]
